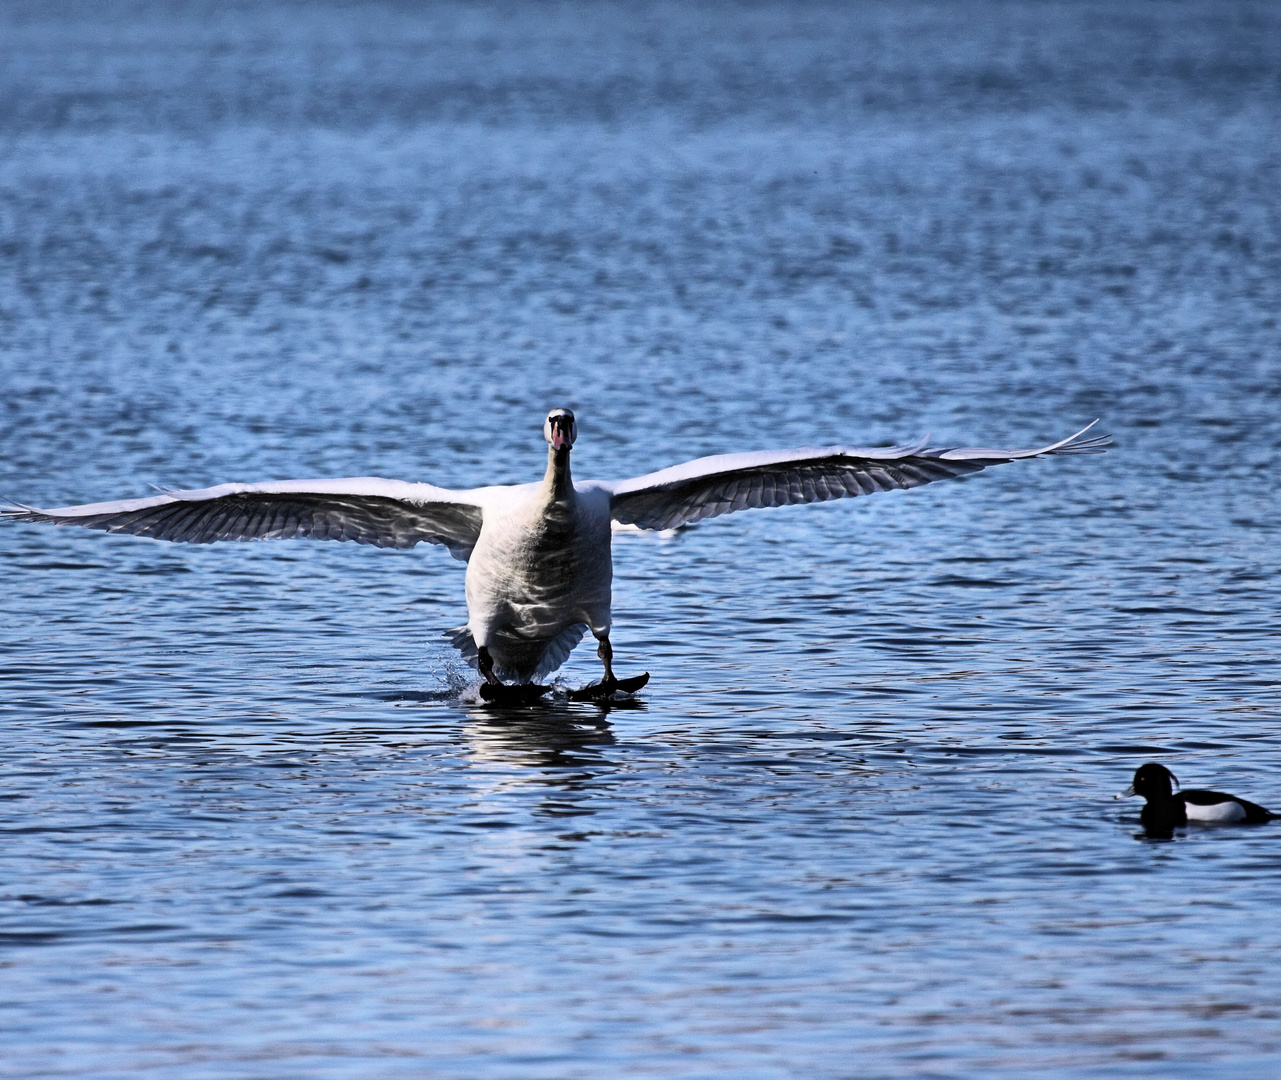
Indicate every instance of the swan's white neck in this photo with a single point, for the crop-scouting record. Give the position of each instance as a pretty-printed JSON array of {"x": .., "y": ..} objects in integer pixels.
[{"x": 557, "y": 481}]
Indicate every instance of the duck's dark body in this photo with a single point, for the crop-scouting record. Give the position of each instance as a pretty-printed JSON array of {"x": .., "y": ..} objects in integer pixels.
[
  {"x": 1166, "y": 810},
  {"x": 1204, "y": 807}
]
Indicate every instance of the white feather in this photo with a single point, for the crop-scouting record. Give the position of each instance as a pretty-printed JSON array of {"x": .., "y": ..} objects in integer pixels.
[{"x": 1223, "y": 813}]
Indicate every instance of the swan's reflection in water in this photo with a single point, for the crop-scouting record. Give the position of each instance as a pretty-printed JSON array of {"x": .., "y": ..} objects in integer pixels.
[
  {"x": 553, "y": 735},
  {"x": 554, "y": 746}
]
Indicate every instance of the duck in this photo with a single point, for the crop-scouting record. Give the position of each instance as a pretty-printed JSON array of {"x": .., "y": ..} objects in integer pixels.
[
  {"x": 1165, "y": 810},
  {"x": 539, "y": 566}
]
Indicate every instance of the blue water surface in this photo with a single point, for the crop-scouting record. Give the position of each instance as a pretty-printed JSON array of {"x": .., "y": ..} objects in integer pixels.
[{"x": 861, "y": 823}]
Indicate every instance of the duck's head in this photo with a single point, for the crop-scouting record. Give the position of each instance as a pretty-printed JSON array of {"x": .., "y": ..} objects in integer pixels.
[
  {"x": 1152, "y": 781},
  {"x": 560, "y": 429}
]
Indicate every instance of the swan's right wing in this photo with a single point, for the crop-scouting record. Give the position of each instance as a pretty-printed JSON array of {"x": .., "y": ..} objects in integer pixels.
[{"x": 366, "y": 509}]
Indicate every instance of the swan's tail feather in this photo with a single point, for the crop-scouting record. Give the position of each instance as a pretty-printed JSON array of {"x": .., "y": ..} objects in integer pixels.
[
  {"x": 559, "y": 648},
  {"x": 556, "y": 653},
  {"x": 460, "y": 638}
]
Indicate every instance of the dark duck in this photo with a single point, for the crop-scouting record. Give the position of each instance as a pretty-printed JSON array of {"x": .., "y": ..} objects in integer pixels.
[{"x": 1166, "y": 810}]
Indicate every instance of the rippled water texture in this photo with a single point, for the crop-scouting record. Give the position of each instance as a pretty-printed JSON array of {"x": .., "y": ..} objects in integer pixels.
[{"x": 861, "y": 825}]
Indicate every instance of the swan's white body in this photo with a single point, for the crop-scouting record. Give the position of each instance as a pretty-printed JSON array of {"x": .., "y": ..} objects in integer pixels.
[
  {"x": 539, "y": 568},
  {"x": 541, "y": 571}
]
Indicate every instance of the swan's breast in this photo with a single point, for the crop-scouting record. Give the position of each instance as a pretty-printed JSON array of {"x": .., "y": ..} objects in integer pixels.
[{"x": 537, "y": 553}]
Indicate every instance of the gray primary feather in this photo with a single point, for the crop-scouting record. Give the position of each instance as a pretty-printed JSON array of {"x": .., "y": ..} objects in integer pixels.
[
  {"x": 366, "y": 519},
  {"x": 731, "y": 482}
]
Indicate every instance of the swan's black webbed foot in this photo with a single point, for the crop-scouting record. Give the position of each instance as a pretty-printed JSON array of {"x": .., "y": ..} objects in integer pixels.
[
  {"x": 597, "y": 691},
  {"x": 606, "y": 688},
  {"x": 606, "y": 653},
  {"x": 609, "y": 684},
  {"x": 493, "y": 689},
  {"x": 486, "y": 664},
  {"x": 515, "y": 694}
]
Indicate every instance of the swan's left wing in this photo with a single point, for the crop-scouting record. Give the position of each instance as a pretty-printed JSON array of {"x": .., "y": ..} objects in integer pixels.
[
  {"x": 365, "y": 509},
  {"x": 711, "y": 486}
]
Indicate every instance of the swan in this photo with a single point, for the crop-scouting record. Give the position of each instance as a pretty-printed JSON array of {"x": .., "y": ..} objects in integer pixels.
[{"x": 539, "y": 569}]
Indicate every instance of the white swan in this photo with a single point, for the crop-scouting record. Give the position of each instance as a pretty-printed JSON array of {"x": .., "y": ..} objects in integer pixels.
[{"x": 538, "y": 555}]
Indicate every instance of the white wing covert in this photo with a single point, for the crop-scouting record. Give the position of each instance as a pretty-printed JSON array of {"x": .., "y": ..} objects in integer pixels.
[
  {"x": 711, "y": 486},
  {"x": 366, "y": 510}
]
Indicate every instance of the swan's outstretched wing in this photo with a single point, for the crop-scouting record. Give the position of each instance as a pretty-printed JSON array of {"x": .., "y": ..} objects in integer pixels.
[
  {"x": 710, "y": 486},
  {"x": 366, "y": 509}
]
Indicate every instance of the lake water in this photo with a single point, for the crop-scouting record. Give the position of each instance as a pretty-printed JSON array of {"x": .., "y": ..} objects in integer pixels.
[{"x": 861, "y": 823}]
